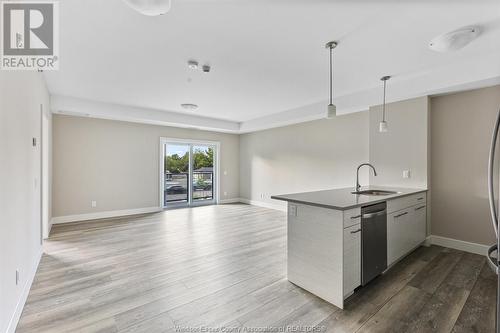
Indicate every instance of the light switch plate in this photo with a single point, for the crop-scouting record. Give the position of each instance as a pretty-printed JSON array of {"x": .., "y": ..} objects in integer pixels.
[
  {"x": 406, "y": 174},
  {"x": 93, "y": 204},
  {"x": 292, "y": 210}
]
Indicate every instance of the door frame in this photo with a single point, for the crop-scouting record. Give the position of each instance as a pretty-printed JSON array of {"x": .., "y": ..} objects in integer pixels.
[
  {"x": 163, "y": 142},
  {"x": 45, "y": 172}
]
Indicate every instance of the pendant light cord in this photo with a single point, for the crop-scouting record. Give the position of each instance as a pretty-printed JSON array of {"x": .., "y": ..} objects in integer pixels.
[
  {"x": 331, "y": 75},
  {"x": 383, "y": 108}
]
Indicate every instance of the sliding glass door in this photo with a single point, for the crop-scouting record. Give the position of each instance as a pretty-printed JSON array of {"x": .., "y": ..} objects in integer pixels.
[
  {"x": 203, "y": 173},
  {"x": 189, "y": 173},
  {"x": 177, "y": 161}
]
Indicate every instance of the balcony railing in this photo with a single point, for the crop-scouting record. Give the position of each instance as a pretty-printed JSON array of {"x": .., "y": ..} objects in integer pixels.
[{"x": 177, "y": 189}]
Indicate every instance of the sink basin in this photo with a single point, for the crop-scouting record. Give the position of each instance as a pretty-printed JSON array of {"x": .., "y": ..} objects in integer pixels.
[{"x": 374, "y": 192}]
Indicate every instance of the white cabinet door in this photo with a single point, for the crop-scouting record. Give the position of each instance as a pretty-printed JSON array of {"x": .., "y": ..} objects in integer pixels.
[
  {"x": 420, "y": 224},
  {"x": 352, "y": 258},
  {"x": 398, "y": 230}
]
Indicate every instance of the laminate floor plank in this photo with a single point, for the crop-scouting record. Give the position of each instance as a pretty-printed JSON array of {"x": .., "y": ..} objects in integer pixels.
[
  {"x": 478, "y": 313},
  {"x": 436, "y": 271},
  {"x": 225, "y": 266}
]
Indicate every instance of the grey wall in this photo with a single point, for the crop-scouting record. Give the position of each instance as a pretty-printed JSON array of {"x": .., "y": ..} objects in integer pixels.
[
  {"x": 21, "y": 94},
  {"x": 316, "y": 155},
  {"x": 404, "y": 146},
  {"x": 461, "y": 126},
  {"x": 117, "y": 164}
]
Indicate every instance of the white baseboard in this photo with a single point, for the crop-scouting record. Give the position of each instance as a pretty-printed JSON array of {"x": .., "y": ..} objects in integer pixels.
[
  {"x": 459, "y": 245},
  {"x": 229, "y": 201},
  {"x": 11, "y": 328},
  {"x": 264, "y": 204},
  {"x": 104, "y": 215}
]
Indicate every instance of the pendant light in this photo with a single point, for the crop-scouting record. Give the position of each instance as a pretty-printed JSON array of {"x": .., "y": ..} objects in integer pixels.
[
  {"x": 332, "y": 109},
  {"x": 383, "y": 124}
]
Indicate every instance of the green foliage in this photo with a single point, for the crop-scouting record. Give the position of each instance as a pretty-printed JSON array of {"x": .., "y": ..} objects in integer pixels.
[
  {"x": 201, "y": 158},
  {"x": 176, "y": 163}
]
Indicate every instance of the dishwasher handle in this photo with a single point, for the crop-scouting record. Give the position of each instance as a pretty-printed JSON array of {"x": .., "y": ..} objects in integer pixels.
[{"x": 374, "y": 214}]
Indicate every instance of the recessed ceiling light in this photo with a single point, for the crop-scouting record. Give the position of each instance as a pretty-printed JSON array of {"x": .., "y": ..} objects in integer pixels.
[
  {"x": 454, "y": 40},
  {"x": 193, "y": 64},
  {"x": 189, "y": 106}
]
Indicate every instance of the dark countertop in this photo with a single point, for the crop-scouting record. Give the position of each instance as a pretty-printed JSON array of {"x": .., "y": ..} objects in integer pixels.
[{"x": 342, "y": 198}]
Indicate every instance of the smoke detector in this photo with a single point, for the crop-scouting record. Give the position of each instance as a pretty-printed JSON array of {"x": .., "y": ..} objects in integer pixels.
[
  {"x": 193, "y": 64},
  {"x": 189, "y": 106},
  {"x": 454, "y": 40}
]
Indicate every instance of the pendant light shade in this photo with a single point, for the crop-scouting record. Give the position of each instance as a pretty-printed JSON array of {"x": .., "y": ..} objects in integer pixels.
[
  {"x": 149, "y": 7},
  {"x": 383, "y": 124},
  {"x": 332, "y": 109}
]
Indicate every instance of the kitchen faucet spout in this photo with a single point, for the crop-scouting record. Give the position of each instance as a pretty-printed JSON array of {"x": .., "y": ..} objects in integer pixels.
[{"x": 358, "y": 186}]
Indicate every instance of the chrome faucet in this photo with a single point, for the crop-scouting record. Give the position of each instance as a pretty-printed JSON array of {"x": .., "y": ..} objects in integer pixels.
[{"x": 357, "y": 174}]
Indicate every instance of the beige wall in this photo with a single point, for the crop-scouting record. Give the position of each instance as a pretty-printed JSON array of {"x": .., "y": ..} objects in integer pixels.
[
  {"x": 117, "y": 164},
  {"x": 21, "y": 94},
  {"x": 403, "y": 147},
  {"x": 461, "y": 126},
  {"x": 316, "y": 155}
]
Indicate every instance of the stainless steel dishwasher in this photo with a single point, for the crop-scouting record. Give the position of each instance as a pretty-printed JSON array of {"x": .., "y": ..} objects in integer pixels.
[{"x": 373, "y": 241}]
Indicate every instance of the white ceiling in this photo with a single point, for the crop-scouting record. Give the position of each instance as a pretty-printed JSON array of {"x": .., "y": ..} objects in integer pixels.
[{"x": 268, "y": 57}]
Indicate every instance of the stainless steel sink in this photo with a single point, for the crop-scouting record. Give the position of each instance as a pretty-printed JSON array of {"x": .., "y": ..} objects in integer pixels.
[{"x": 374, "y": 192}]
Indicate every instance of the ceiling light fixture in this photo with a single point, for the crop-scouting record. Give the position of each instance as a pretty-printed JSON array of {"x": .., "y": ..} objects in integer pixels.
[
  {"x": 189, "y": 106},
  {"x": 149, "y": 7},
  {"x": 454, "y": 40},
  {"x": 332, "y": 109},
  {"x": 383, "y": 124}
]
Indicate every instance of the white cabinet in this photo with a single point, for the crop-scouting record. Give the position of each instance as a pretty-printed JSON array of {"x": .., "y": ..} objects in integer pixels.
[
  {"x": 406, "y": 229},
  {"x": 352, "y": 258},
  {"x": 315, "y": 251},
  {"x": 352, "y": 217},
  {"x": 420, "y": 228},
  {"x": 398, "y": 224}
]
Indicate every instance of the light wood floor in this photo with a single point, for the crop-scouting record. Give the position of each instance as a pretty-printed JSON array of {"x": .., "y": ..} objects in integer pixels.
[{"x": 215, "y": 266}]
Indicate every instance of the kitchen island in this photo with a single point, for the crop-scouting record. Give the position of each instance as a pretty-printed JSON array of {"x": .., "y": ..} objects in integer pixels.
[{"x": 328, "y": 231}]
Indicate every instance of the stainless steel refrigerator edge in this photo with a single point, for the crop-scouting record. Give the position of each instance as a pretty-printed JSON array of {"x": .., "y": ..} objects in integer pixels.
[{"x": 492, "y": 261}]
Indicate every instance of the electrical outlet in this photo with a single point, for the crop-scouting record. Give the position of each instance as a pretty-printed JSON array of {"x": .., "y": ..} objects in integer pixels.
[
  {"x": 17, "y": 277},
  {"x": 93, "y": 204},
  {"x": 225, "y": 173},
  {"x": 406, "y": 174},
  {"x": 225, "y": 194}
]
